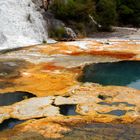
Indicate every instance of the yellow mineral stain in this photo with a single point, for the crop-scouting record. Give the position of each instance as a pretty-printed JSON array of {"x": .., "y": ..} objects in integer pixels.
[
  {"x": 43, "y": 80},
  {"x": 47, "y": 78}
]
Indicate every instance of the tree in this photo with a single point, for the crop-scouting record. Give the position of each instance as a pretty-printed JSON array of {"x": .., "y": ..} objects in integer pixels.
[
  {"x": 129, "y": 12},
  {"x": 72, "y": 9},
  {"x": 106, "y": 13}
]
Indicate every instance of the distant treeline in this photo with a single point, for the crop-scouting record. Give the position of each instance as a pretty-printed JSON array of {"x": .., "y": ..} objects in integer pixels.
[{"x": 105, "y": 12}]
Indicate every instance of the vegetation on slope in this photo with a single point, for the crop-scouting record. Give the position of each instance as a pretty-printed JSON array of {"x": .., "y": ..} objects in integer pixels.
[{"x": 81, "y": 14}]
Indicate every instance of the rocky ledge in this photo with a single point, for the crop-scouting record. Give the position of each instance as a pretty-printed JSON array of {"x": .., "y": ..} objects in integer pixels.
[{"x": 64, "y": 107}]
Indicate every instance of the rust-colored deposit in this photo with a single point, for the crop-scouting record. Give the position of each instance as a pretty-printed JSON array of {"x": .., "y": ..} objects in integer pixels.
[
  {"x": 91, "y": 100},
  {"x": 127, "y": 49},
  {"x": 41, "y": 80},
  {"x": 117, "y": 49},
  {"x": 51, "y": 73},
  {"x": 72, "y": 128}
]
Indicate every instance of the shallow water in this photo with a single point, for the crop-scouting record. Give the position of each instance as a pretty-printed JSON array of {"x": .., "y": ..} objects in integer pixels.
[
  {"x": 10, "y": 123},
  {"x": 68, "y": 110},
  {"x": 13, "y": 97},
  {"x": 9, "y": 99},
  {"x": 125, "y": 73}
]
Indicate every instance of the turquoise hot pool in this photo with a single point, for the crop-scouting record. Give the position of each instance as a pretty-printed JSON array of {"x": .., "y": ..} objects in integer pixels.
[{"x": 124, "y": 73}]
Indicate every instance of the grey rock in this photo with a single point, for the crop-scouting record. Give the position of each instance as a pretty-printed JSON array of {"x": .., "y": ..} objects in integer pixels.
[{"x": 3, "y": 38}]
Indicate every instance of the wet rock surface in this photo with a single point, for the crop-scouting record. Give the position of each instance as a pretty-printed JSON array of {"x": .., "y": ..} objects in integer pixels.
[
  {"x": 72, "y": 128},
  {"x": 65, "y": 108},
  {"x": 10, "y": 68}
]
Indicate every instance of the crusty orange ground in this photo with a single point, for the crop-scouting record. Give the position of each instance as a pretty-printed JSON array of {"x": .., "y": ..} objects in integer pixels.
[{"x": 43, "y": 79}]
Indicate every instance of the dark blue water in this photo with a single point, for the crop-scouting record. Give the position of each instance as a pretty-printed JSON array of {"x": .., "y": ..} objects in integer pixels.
[
  {"x": 125, "y": 73},
  {"x": 68, "y": 110},
  {"x": 9, "y": 99},
  {"x": 10, "y": 123},
  {"x": 13, "y": 97}
]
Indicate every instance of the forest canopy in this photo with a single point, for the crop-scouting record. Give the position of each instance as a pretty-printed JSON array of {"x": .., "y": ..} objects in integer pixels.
[{"x": 105, "y": 12}]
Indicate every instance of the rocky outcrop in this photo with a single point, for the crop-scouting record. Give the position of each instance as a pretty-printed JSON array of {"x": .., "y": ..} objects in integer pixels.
[
  {"x": 28, "y": 109},
  {"x": 21, "y": 24},
  {"x": 71, "y": 34},
  {"x": 57, "y": 29}
]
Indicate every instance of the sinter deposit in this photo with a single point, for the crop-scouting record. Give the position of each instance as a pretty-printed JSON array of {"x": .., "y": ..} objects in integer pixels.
[{"x": 21, "y": 24}]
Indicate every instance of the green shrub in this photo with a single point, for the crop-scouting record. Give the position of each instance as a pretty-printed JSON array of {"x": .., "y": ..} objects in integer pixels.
[
  {"x": 106, "y": 11},
  {"x": 44, "y": 42},
  {"x": 75, "y": 13},
  {"x": 129, "y": 12},
  {"x": 73, "y": 9},
  {"x": 58, "y": 33}
]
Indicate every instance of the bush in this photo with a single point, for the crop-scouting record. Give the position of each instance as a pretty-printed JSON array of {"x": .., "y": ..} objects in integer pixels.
[
  {"x": 75, "y": 13},
  {"x": 106, "y": 11},
  {"x": 73, "y": 9},
  {"x": 58, "y": 33},
  {"x": 129, "y": 12}
]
